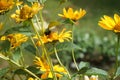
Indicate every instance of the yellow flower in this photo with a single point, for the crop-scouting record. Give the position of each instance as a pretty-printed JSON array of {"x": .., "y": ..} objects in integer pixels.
[
  {"x": 30, "y": 78},
  {"x": 109, "y": 23},
  {"x": 54, "y": 36},
  {"x": 64, "y": 35},
  {"x": 93, "y": 77},
  {"x": 6, "y": 5},
  {"x": 3, "y": 38},
  {"x": 72, "y": 15},
  {"x": 45, "y": 68},
  {"x": 26, "y": 12},
  {"x": 15, "y": 39}
]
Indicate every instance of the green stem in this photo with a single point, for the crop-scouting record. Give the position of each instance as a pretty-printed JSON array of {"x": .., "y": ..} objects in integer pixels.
[
  {"x": 73, "y": 55},
  {"x": 37, "y": 50},
  {"x": 61, "y": 62},
  {"x": 117, "y": 51},
  {"x": 38, "y": 35},
  {"x": 50, "y": 64},
  {"x": 22, "y": 57},
  {"x": 116, "y": 55},
  {"x": 42, "y": 22}
]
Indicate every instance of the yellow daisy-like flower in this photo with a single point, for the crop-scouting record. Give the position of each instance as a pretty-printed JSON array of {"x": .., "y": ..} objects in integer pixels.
[
  {"x": 70, "y": 14},
  {"x": 45, "y": 68},
  {"x": 26, "y": 12},
  {"x": 109, "y": 23},
  {"x": 93, "y": 77},
  {"x": 6, "y": 5},
  {"x": 15, "y": 39},
  {"x": 55, "y": 36}
]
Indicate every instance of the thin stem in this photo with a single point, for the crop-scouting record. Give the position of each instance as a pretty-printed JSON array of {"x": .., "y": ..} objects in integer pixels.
[
  {"x": 61, "y": 62},
  {"x": 37, "y": 35},
  {"x": 51, "y": 65},
  {"x": 37, "y": 52},
  {"x": 117, "y": 50},
  {"x": 42, "y": 22},
  {"x": 22, "y": 57},
  {"x": 73, "y": 55},
  {"x": 116, "y": 55}
]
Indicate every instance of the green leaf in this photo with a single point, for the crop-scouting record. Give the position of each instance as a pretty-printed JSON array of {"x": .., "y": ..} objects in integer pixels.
[
  {"x": 30, "y": 48},
  {"x": 62, "y": 46},
  {"x": 34, "y": 70},
  {"x": 42, "y": 1},
  {"x": 32, "y": 0},
  {"x": 17, "y": 55},
  {"x": 117, "y": 72},
  {"x": 30, "y": 68},
  {"x": 68, "y": 21},
  {"x": 83, "y": 67},
  {"x": 20, "y": 71},
  {"x": 4, "y": 45},
  {"x": 96, "y": 71},
  {"x": 3, "y": 71}
]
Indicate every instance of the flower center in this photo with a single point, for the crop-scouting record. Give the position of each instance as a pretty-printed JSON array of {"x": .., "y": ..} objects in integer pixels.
[{"x": 117, "y": 28}]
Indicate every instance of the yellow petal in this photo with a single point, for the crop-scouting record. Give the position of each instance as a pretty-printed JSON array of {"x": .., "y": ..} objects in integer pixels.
[
  {"x": 70, "y": 13},
  {"x": 104, "y": 26},
  {"x": 117, "y": 18},
  {"x": 64, "y": 12},
  {"x": 109, "y": 21},
  {"x": 44, "y": 76}
]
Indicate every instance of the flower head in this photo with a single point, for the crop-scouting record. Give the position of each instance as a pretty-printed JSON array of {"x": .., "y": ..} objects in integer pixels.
[
  {"x": 109, "y": 23},
  {"x": 15, "y": 39},
  {"x": 93, "y": 77},
  {"x": 45, "y": 68},
  {"x": 55, "y": 36},
  {"x": 6, "y": 5},
  {"x": 26, "y": 12},
  {"x": 72, "y": 15}
]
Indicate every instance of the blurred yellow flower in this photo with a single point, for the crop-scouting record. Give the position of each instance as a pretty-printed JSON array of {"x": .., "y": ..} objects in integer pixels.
[
  {"x": 6, "y": 5},
  {"x": 55, "y": 36},
  {"x": 93, "y": 77},
  {"x": 70, "y": 14},
  {"x": 26, "y": 12},
  {"x": 109, "y": 23},
  {"x": 15, "y": 39},
  {"x": 30, "y": 78},
  {"x": 45, "y": 68},
  {"x": 64, "y": 35}
]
